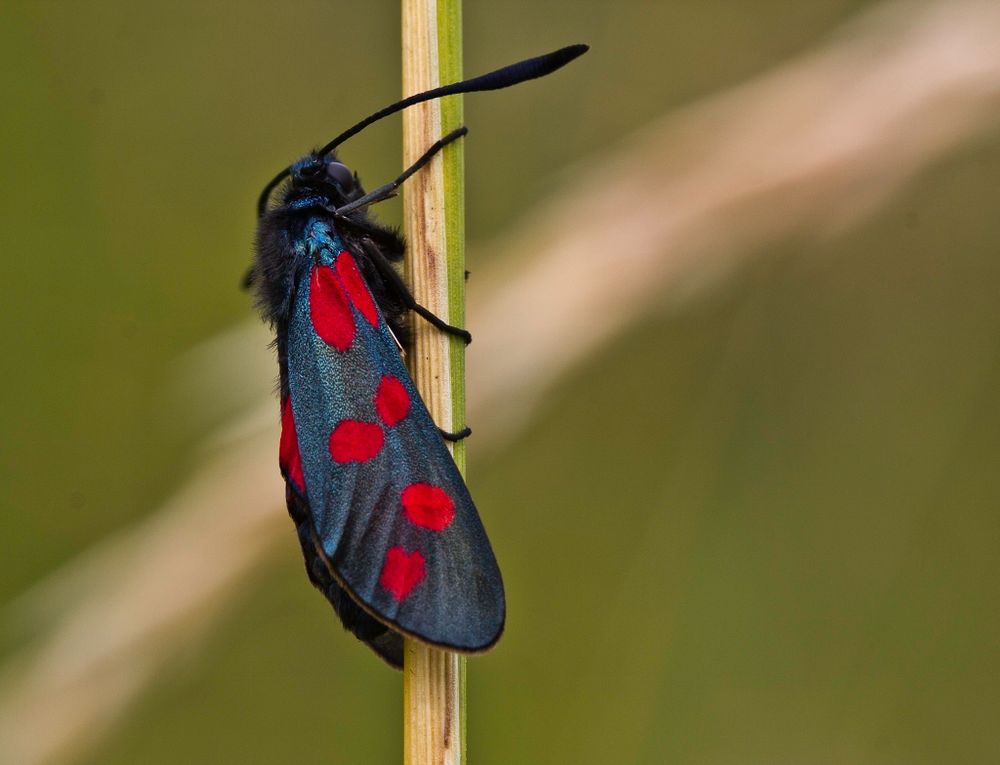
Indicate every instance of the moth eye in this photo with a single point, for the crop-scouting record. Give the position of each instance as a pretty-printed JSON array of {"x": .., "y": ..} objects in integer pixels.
[{"x": 341, "y": 174}]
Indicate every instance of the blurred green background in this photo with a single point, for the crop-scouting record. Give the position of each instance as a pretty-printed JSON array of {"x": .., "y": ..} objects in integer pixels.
[{"x": 763, "y": 529}]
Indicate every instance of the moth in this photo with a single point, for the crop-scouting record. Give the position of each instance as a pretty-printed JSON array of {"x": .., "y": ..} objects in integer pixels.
[{"x": 388, "y": 530}]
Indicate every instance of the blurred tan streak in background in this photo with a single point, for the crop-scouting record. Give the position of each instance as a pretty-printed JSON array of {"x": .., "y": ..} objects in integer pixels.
[{"x": 809, "y": 148}]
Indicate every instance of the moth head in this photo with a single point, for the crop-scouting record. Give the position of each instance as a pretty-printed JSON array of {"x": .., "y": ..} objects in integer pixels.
[{"x": 325, "y": 175}]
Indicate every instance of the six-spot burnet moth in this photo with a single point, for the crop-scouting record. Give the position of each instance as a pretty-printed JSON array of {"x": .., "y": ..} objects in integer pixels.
[{"x": 388, "y": 530}]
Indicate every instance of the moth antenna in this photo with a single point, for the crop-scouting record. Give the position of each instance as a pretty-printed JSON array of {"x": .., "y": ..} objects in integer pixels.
[{"x": 529, "y": 69}]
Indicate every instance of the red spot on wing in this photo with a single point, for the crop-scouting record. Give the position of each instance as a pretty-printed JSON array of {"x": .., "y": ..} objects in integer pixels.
[
  {"x": 289, "y": 457},
  {"x": 355, "y": 441},
  {"x": 402, "y": 571},
  {"x": 328, "y": 308},
  {"x": 392, "y": 402},
  {"x": 355, "y": 285},
  {"x": 427, "y": 506}
]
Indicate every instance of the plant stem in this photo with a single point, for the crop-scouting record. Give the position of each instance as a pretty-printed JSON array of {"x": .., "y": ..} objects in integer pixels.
[{"x": 434, "y": 214}]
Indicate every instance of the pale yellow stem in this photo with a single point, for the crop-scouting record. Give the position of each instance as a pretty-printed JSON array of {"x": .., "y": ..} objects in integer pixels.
[{"x": 433, "y": 680}]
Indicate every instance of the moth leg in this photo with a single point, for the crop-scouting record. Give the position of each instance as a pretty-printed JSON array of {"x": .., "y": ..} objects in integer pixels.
[
  {"x": 440, "y": 323},
  {"x": 389, "y": 189},
  {"x": 454, "y": 437},
  {"x": 248, "y": 279},
  {"x": 395, "y": 282}
]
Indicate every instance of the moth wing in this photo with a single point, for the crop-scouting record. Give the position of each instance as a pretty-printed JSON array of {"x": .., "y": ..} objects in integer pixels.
[
  {"x": 384, "y": 641},
  {"x": 392, "y": 516}
]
